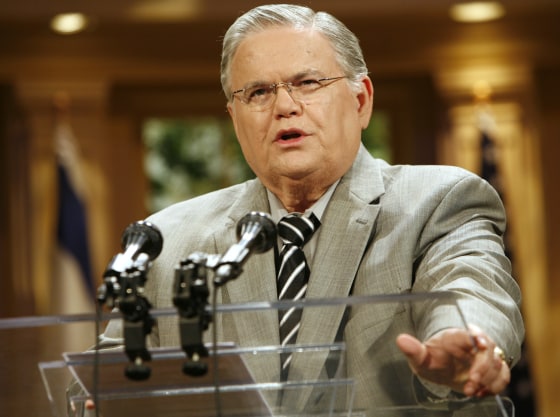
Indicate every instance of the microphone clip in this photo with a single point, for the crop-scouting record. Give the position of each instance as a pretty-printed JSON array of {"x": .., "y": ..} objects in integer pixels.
[
  {"x": 125, "y": 292},
  {"x": 191, "y": 299}
]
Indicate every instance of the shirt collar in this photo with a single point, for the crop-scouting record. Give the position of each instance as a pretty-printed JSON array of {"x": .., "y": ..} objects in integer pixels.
[{"x": 277, "y": 210}]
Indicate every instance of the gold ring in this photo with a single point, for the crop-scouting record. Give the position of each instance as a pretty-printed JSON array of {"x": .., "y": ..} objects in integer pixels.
[{"x": 499, "y": 353}]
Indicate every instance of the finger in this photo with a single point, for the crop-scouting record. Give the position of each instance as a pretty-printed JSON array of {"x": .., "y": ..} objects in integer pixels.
[
  {"x": 90, "y": 405},
  {"x": 496, "y": 378},
  {"x": 414, "y": 350},
  {"x": 500, "y": 383},
  {"x": 497, "y": 386},
  {"x": 484, "y": 362},
  {"x": 482, "y": 372},
  {"x": 489, "y": 374}
]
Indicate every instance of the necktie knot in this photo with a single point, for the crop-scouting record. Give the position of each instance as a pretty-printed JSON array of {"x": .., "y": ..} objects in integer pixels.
[{"x": 295, "y": 229}]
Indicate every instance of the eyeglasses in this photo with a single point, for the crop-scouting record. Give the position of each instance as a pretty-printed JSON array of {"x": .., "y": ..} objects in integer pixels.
[{"x": 261, "y": 97}]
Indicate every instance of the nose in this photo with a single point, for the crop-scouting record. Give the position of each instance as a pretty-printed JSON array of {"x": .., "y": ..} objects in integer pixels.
[{"x": 284, "y": 102}]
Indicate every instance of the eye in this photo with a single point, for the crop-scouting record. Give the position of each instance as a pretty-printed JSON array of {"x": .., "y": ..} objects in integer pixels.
[
  {"x": 256, "y": 92},
  {"x": 308, "y": 82},
  {"x": 307, "y": 85}
]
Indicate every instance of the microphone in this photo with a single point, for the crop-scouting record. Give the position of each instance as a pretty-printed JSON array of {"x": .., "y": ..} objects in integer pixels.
[
  {"x": 141, "y": 242},
  {"x": 256, "y": 232},
  {"x": 123, "y": 287}
]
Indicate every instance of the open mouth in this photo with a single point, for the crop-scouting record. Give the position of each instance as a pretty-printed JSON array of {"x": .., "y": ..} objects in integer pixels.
[{"x": 288, "y": 136}]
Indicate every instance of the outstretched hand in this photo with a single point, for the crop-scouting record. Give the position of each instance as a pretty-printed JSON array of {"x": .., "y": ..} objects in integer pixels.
[{"x": 464, "y": 360}]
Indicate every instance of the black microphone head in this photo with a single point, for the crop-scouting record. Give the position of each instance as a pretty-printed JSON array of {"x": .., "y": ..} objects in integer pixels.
[
  {"x": 264, "y": 228},
  {"x": 146, "y": 236}
]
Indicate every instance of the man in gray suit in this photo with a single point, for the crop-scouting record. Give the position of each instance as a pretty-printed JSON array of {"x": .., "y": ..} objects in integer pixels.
[{"x": 299, "y": 96}]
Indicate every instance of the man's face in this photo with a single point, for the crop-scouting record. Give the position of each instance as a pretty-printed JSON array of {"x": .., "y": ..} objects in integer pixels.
[{"x": 314, "y": 139}]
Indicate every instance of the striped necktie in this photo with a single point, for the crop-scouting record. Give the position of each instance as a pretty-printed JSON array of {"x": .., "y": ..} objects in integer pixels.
[{"x": 295, "y": 231}]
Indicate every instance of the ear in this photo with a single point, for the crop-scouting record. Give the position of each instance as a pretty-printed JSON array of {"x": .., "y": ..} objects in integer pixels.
[
  {"x": 231, "y": 112},
  {"x": 365, "y": 101},
  {"x": 229, "y": 107}
]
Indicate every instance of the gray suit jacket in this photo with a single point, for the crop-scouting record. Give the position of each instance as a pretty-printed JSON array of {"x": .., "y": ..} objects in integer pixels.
[{"x": 387, "y": 230}]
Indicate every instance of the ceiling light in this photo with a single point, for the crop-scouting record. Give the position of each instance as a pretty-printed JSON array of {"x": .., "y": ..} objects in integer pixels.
[
  {"x": 165, "y": 10},
  {"x": 476, "y": 11},
  {"x": 69, "y": 23}
]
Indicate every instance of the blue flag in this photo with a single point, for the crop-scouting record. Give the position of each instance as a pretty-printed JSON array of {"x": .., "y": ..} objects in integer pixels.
[
  {"x": 72, "y": 231},
  {"x": 72, "y": 226}
]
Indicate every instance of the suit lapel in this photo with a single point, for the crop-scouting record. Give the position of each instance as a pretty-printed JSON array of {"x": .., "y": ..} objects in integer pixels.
[
  {"x": 347, "y": 228},
  {"x": 257, "y": 282}
]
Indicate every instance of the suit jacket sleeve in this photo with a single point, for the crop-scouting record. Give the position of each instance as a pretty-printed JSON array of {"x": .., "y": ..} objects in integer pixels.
[{"x": 461, "y": 250}]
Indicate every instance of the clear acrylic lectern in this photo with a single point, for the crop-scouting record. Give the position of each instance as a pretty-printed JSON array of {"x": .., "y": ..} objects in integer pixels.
[{"x": 359, "y": 373}]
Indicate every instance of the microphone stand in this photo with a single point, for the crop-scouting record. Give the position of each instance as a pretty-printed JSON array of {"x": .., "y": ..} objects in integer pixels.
[
  {"x": 191, "y": 299},
  {"x": 124, "y": 290}
]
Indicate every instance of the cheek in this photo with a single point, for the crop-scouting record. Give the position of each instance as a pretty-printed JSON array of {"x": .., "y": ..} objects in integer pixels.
[
  {"x": 248, "y": 138},
  {"x": 241, "y": 128},
  {"x": 344, "y": 132},
  {"x": 244, "y": 142},
  {"x": 342, "y": 122}
]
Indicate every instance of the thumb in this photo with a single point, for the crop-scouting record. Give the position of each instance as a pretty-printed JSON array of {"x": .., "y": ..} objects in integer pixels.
[{"x": 414, "y": 350}]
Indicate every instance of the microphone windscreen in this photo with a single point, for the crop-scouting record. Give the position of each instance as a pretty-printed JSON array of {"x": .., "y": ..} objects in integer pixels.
[
  {"x": 144, "y": 234},
  {"x": 264, "y": 226}
]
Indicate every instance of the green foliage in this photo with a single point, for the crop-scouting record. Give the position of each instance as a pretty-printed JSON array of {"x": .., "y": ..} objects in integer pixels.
[
  {"x": 189, "y": 157},
  {"x": 376, "y": 137}
]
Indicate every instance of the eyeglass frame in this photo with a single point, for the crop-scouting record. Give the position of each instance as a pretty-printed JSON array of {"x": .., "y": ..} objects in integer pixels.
[{"x": 287, "y": 84}]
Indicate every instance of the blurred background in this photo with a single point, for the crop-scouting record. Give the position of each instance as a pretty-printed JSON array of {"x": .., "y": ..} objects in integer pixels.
[{"x": 111, "y": 110}]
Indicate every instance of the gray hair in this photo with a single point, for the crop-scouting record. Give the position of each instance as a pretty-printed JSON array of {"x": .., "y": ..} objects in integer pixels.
[{"x": 346, "y": 45}]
